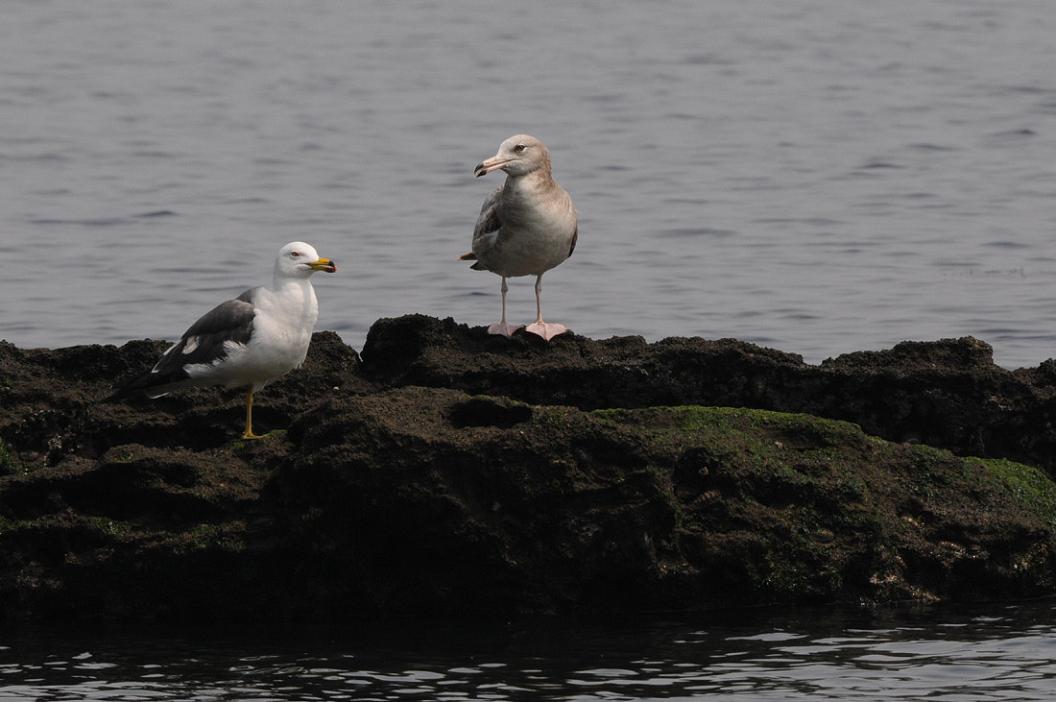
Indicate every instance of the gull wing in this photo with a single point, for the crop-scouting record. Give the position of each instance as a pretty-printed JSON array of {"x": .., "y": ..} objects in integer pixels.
[
  {"x": 488, "y": 222},
  {"x": 204, "y": 342}
]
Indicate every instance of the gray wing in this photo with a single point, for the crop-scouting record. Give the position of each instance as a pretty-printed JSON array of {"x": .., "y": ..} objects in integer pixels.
[
  {"x": 486, "y": 230},
  {"x": 204, "y": 341},
  {"x": 488, "y": 221}
]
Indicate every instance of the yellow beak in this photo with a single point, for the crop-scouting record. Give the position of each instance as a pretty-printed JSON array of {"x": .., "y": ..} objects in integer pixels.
[{"x": 323, "y": 264}]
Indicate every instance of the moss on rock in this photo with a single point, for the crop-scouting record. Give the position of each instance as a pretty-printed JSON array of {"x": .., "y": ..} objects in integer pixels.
[
  {"x": 373, "y": 497},
  {"x": 9, "y": 464}
]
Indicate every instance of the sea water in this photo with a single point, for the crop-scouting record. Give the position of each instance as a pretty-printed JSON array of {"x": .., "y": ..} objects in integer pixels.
[
  {"x": 996, "y": 652},
  {"x": 821, "y": 176}
]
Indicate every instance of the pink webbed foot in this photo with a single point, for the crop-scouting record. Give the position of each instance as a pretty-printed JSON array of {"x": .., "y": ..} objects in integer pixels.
[
  {"x": 504, "y": 328},
  {"x": 547, "y": 330}
]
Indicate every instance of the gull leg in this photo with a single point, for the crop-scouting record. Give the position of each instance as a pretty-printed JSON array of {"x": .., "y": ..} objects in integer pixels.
[
  {"x": 547, "y": 331},
  {"x": 248, "y": 433},
  {"x": 502, "y": 327}
]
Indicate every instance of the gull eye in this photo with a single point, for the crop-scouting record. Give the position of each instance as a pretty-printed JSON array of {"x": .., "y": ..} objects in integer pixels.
[
  {"x": 519, "y": 148},
  {"x": 295, "y": 254}
]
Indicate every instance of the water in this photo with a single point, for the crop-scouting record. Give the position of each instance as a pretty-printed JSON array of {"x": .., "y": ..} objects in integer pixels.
[
  {"x": 1007, "y": 653},
  {"x": 819, "y": 176}
]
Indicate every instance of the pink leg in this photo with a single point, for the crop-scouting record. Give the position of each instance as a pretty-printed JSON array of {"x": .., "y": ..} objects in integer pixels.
[
  {"x": 547, "y": 331},
  {"x": 502, "y": 327}
]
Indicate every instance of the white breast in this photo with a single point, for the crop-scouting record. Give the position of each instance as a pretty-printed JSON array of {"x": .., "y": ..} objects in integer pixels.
[
  {"x": 536, "y": 232},
  {"x": 282, "y": 332}
]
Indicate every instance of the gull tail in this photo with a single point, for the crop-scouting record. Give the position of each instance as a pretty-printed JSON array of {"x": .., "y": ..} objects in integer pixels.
[{"x": 151, "y": 384}]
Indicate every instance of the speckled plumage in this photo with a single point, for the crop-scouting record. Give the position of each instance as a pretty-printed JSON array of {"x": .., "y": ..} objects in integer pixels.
[{"x": 526, "y": 226}]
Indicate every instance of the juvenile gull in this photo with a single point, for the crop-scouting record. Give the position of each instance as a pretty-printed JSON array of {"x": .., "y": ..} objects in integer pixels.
[
  {"x": 249, "y": 341},
  {"x": 526, "y": 227}
]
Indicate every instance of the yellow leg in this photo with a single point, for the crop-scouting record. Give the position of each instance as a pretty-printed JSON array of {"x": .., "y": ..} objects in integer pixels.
[{"x": 248, "y": 433}]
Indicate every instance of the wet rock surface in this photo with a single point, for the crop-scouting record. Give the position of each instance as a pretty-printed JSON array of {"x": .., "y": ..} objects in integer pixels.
[
  {"x": 946, "y": 393},
  {"x": 452, "y": 473}
]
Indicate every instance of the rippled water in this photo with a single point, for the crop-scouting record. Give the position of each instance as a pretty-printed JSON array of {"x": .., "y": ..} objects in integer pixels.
[
  {"x": 1008, "y": 653},
  {"x": 819, "y": 176}
]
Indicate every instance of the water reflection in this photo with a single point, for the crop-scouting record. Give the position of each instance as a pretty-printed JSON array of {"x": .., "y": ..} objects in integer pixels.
[{"x": 1002, "y": 653}]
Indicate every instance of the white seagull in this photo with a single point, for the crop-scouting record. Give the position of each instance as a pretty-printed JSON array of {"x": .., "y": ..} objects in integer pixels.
[
  {"x": 526, "y": 227},
  {"x": 249, "y": 341}
]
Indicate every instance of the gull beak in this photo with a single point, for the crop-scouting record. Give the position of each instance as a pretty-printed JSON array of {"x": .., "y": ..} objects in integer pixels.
[
  {"x": 486, "y": 167},
  {"x": 323, "y": 264}
]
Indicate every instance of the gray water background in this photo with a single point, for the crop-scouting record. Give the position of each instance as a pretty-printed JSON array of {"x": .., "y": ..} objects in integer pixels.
[
  {"x": 999, "y": 653},
  {"x": 819, "y": 176}
]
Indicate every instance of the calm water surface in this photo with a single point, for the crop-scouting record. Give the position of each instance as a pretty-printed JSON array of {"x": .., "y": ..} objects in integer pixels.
[
  {"x": 821, "y": 176},
  {"x": 1004, "y": 653}
]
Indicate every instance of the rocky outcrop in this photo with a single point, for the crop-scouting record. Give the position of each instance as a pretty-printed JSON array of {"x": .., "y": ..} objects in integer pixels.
[
  {"x": 947, "y": 393},
  {"x": 452, "y": 473}
]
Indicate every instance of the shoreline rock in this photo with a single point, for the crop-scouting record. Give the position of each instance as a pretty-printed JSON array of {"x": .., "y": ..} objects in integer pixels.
[
  {"x": 449, "y": 473},
  {"x": 946, "y": 393}
]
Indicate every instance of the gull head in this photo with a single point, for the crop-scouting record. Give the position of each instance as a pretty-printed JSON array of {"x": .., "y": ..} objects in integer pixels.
[
  {"x": 519, "y": 155},
  {"x": 299, "y": 260}
]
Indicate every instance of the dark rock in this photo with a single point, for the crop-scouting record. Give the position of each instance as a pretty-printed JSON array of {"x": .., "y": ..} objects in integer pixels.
[
  {"x": 946, "y": 393},
  {"x": 662, "y": 507},
  {"x": 489, "y": 412},
  {"x": 575, "y": 476},
  {"x": 54, "y": 401}
]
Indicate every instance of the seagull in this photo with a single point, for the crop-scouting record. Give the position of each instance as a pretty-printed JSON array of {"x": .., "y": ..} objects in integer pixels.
[
  {"x": 526, "y": 227},
  {"x": 250, "y": 341}
]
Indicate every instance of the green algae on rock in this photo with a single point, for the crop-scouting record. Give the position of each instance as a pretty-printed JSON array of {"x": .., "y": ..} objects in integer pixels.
[
  {"x": 391, "y": 504},
  {"x": 8, "y": 463},
  {"x": 373, "y": 501},
  {"x": 946, "y": 393}
]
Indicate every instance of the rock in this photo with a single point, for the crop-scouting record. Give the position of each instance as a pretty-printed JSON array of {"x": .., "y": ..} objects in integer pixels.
[
  {"x": 672, "y": 507},
  {"x": 451, "y": 473},
  {"x": 947, "y": 393},
  {"x": 53, "y": 402}
]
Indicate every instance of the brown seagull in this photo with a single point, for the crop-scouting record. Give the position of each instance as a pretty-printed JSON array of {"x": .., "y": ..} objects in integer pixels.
[{"x": 526, "y": 227}]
